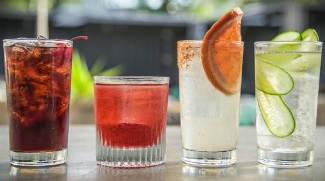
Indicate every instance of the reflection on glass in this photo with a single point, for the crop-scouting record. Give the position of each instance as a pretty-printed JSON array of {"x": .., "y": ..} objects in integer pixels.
[
  {"x": 156, "y": 173},
  {"x": 39, "y": 173},
  {"x": 223, "y": 172},
  {"x": 301, "y": 173}
]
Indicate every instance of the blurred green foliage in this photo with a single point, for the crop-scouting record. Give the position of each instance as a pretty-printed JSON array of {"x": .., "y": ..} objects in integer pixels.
[
  {"x": 31, "y": 5},
  {"x": 82, "y": 78},
  {"x": 274, "y": 1},
  {"x": 201, "y": 9}
]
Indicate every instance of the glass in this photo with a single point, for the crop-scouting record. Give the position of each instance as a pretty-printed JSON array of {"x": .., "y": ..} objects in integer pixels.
[
  {"x": 38, "y": 73},
  {"x": 131, "y": 115},
  {"x": 286, "y": 81},
  {"x": 209, "y": 118}
]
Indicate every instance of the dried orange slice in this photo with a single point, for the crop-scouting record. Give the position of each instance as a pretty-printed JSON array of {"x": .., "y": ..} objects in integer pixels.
[{"x": 223, "y": 65}]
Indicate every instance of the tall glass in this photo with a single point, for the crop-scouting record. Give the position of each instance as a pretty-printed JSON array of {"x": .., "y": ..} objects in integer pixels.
[
  {"x": 209, "y": 117},
  {"x": 286, "y": 81},
  {"x": 38, "y": 95},
  {"x": 130, "y": 114}
]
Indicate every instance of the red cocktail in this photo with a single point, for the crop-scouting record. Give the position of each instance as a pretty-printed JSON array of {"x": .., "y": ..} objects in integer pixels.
[
  {"x": 38, "y": 75},
  {"x": 130, "y": 114}
]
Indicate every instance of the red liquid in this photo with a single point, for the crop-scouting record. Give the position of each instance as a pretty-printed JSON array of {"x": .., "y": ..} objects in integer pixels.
[
  {"x": 129, "y": 115},
  {"x": 38, "y": 96}
]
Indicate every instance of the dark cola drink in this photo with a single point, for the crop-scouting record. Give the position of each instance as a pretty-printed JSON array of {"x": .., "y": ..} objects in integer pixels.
[{"x": 38, "y": 74}]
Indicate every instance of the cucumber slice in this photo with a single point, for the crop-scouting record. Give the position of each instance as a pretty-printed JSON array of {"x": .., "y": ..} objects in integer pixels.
[
  {"x": 303, "y": 63},
  {"x": 290, "y": 35},
  {"x": 276, "y": 114},
  {"x": 272, "y": 79},
  {"x": 294, "y": 62},
  {"x": 309, "y": 35}
]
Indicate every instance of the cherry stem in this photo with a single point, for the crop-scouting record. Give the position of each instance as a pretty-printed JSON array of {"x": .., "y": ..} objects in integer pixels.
[{"x": 79, "y": 37}]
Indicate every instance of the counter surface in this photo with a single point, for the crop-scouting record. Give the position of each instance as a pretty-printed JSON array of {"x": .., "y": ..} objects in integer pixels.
[{"x": 81, "y": 163}]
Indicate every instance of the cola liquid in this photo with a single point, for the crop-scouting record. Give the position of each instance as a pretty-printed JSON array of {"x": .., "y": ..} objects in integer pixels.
[{"x": 38, "y": 74}]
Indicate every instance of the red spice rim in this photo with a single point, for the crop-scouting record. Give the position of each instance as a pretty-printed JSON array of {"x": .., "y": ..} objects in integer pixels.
[{"x": 198, "y": 43}]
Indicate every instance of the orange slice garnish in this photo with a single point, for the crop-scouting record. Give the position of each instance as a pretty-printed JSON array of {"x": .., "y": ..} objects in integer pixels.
[{"x": 223, "y": 65}]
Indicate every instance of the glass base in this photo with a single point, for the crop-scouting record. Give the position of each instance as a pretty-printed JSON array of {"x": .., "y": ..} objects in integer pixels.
[
  {"x": 39, "y": 158},
  {"x": 285, "y": 159},
  {"x": 133, "y": 157},
  {"x": 209, "y": 158}
]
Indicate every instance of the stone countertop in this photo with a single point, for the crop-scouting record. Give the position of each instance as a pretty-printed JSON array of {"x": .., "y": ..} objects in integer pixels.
[{"x": 81, "y": 162}]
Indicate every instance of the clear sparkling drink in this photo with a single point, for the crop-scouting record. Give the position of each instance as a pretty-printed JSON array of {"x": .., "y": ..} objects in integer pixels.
[
  {"x": 209, "y": 118},
  {"x": 303, "y": 66}
]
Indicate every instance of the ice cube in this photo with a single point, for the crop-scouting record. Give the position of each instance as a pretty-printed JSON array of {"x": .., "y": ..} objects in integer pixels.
[{"x": 18, "y": 53}]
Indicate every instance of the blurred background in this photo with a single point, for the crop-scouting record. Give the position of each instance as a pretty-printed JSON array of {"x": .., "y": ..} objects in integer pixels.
[{"x": 138, "y": 37}]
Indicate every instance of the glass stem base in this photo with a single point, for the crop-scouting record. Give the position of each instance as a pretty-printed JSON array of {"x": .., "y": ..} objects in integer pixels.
[
  {"x": 209, "y": 158},
  {"x": 38, "y": 158},
  {"x": 285, "y": 159}
]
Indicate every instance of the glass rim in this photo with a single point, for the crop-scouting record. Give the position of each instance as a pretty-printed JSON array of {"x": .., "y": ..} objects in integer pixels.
[
  {"x": 288, "y": 42},
  {"x": 34, "y": 41},
  {"x": 201, "y": 41},
  {"x": 130, "y": 79},
  {"x": 198, "y": 43}
]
